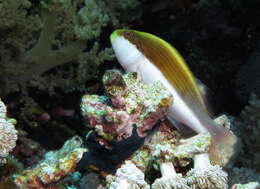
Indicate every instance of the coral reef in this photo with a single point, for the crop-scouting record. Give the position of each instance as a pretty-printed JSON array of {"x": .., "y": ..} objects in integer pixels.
[
  {"x": 132, "y": 103},
  {"x": 247, "y": 127},
  {"x": 243, "y": 176},
  {"x": 28, "y": 151},
  {"x": 205, "y": 175},
  {"x": 11, "y": 167},
  {"x": 90, "y": 181},
  {"x": 48, "y": 34},
  {"x": 52, "y": 48},
  {"x": 166, "y": 150},
  {"x": 55, "y": 166},
  {"x": 165, "y": 159},
  {"x": 169, "y": 179},
  {"x": 128, "y": 176},
  {"x": 8, "y": 134},
  {"x": 186, "y": 149}
]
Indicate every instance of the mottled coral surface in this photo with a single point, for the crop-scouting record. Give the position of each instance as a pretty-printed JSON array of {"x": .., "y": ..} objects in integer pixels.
[
  {"x": 133, "y": 104},
  {"x": 55, "y": 166}
]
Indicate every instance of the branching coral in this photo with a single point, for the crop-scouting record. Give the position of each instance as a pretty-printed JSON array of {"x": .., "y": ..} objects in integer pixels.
[
  {"x": 8, "y": 134},
  {"x": 62, "y": 40},
  {"x": 62, "y": 27},
  {"x": 52, "y": 47}
]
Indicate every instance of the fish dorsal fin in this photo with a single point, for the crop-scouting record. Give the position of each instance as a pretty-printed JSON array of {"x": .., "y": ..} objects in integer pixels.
[{"x": 169, "y": 61}]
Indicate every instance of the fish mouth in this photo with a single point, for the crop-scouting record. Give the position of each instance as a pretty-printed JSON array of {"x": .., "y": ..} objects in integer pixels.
[{"x": 113, "y": 36}]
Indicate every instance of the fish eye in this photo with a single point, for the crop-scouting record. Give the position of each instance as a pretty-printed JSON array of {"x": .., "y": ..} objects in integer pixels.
[{"x": 128, "y": 34}]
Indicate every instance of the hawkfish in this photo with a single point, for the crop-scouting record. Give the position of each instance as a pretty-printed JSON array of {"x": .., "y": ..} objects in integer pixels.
[{"x": 155, "y": 59}]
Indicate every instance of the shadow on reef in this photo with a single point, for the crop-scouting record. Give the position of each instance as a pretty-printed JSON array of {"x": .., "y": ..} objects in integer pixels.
[{"x": 108, "y": 159}]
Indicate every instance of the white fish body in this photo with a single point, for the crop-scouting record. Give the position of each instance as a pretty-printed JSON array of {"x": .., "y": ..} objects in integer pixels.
[{"x": 133, "y": 60}]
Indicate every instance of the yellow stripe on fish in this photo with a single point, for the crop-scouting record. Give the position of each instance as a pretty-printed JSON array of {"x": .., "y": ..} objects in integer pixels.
[{"x": 169, "y": 61}]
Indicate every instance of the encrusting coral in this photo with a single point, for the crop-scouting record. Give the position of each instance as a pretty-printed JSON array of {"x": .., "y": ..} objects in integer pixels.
[
  {"x": 55, "y": 166},
  {"x": 132, "y": 103},
  {"x": 8, "y": 134}
]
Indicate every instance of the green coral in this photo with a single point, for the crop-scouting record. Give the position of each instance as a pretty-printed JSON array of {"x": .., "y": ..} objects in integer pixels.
[
  {"x": 44, "y": 35},
  {"x": 91, "y": 19},
  {"x": 53, "y": 47}
]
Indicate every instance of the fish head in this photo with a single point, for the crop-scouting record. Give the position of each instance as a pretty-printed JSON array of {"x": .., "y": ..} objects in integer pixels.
[{"x": 126, "y": 45}]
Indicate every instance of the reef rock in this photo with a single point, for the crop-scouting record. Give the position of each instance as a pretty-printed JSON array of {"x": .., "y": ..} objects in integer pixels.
[
  {"x": 130, "y": 102},
  {"x": 55, "y": 166}
]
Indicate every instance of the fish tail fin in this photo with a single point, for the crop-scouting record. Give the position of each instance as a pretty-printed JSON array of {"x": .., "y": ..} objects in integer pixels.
[{"x": 225, "y": 145}]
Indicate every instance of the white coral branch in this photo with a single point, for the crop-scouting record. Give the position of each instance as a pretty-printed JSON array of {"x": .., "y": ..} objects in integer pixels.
[{"x": 206, "y": 176}]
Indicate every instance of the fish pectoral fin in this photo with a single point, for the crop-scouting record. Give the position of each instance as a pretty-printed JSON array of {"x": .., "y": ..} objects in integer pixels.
[{"x": 185, "y": 130}]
